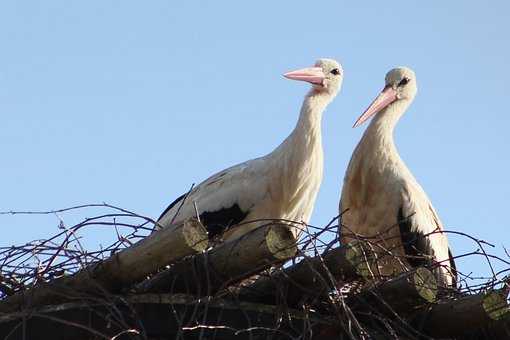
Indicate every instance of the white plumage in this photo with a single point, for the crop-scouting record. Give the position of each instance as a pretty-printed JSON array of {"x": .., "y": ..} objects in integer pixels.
[
  {"x": 380, "y": 196},
  {"x": 280, "y": 185}
]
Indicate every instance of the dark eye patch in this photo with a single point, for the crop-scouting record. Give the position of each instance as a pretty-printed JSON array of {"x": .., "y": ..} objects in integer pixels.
[
  {"x": 335, "y": 71},
  {"x": 404, "y": 81}
]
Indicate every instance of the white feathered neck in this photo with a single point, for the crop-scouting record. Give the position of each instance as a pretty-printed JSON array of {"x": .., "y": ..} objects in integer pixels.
[
  {"x": 297, "y": 164},
  {"x": 378, "y": 137},
  {"x": 307, "y": 132}
]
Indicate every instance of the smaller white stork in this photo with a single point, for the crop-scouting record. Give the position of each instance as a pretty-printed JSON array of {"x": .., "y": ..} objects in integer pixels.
[
  {"x": 280, "y": 185},
  {"x": 381, "y": 199}
]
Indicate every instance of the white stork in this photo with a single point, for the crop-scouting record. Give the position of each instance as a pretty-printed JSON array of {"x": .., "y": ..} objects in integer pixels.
[
  {"x": 380, "y": 196},
  {"x": 280, "y": 185}
]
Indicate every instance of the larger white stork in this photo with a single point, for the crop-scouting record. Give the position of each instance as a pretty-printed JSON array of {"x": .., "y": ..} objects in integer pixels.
[
  {"x": 280, "y": 185},
  {"x": 380, "y": 196}
]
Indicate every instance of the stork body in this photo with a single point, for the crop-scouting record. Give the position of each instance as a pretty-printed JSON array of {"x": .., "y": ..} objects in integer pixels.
[
  {"x": 280, "y": 185},
  {"x": 382, "y": 200}
]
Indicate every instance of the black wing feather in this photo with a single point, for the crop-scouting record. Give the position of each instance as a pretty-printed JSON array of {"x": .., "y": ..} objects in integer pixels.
[
  {"x": 416, "y": 246},
  {"x": 218, "y": 221}
]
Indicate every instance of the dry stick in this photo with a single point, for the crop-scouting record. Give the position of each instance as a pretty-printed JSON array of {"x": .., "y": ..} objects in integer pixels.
[
  {"x": 39, "y": 247},
  {"x": 124, "y": 268},
  {"x": 182, "y": 203},
  {"x": 206, "y": 273}
]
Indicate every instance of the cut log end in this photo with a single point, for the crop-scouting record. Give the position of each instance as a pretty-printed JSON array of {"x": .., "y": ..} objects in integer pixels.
[
  {"x": 425, "y": 284},
  {"x": 280, "y": 241},
  {"x": 467, "y": 314},
  {"x": 496, "y": 306},
  {"x": 195, "y": 235},
  {"x": 361, "y": 257}
]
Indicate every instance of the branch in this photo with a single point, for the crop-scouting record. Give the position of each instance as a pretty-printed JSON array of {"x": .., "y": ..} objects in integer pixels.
[{"x": 123, "y": 269}]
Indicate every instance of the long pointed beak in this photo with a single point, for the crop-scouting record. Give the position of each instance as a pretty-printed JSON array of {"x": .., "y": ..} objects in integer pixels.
[
  {"x": 387, "y": 96},
  {"x": 313, "y": 75}
]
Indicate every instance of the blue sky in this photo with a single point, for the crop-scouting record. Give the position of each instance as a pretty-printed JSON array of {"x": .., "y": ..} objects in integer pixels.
[{"x": 131, "y": 102}]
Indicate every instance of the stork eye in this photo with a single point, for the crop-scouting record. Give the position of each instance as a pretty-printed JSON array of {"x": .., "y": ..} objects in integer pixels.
[
  {"x": 335, "y": 71},
  {"x": 404, "y": 81}
]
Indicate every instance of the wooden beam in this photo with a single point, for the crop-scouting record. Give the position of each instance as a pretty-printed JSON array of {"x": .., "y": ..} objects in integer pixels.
[
  {"x": 400, "y": 295},
  {"x": 464, "y": 315},
  {"x": 499, "y": 329},
  {"x": 228, "y": 263},
  {"x": 312, "y": 278},
  {"x": 123, "y": 269},
  {"x": 162, "y": 316}
]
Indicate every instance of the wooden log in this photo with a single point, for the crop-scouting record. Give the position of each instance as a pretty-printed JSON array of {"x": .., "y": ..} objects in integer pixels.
[
  {"x": 311, "y": 278},
  {"x": 498, "y": 329},
  {"x": 207, "y": 273},
  {"x": 162, "y": 316},
  {"x": 150, "y": 254},
  {"x": 123, "y": 269},
  {"x": 400, "y": 295},
  {"x": 464, "y": 315}
]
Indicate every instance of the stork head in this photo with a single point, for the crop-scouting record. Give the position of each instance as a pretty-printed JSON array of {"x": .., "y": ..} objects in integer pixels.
[
  {"x": 325, "y": 76},
  {"x": 400, "y": 87}
]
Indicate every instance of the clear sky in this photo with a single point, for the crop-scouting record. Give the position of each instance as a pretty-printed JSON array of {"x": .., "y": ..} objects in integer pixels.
[{"x": 130, "y": 102}]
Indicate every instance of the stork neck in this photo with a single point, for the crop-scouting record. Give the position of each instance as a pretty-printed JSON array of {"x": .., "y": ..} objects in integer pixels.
[
  {"x": 311, "y": 112},
  {"x": 306, "y": 136},
  {"x": 380, "y": 130}
]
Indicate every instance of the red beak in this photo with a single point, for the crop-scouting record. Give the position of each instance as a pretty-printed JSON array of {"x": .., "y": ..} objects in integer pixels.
[{"x": 387, "y": 96}]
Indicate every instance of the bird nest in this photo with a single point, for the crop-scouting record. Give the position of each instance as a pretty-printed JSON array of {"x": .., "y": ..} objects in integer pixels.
[{"x": 259, "y": 287}]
